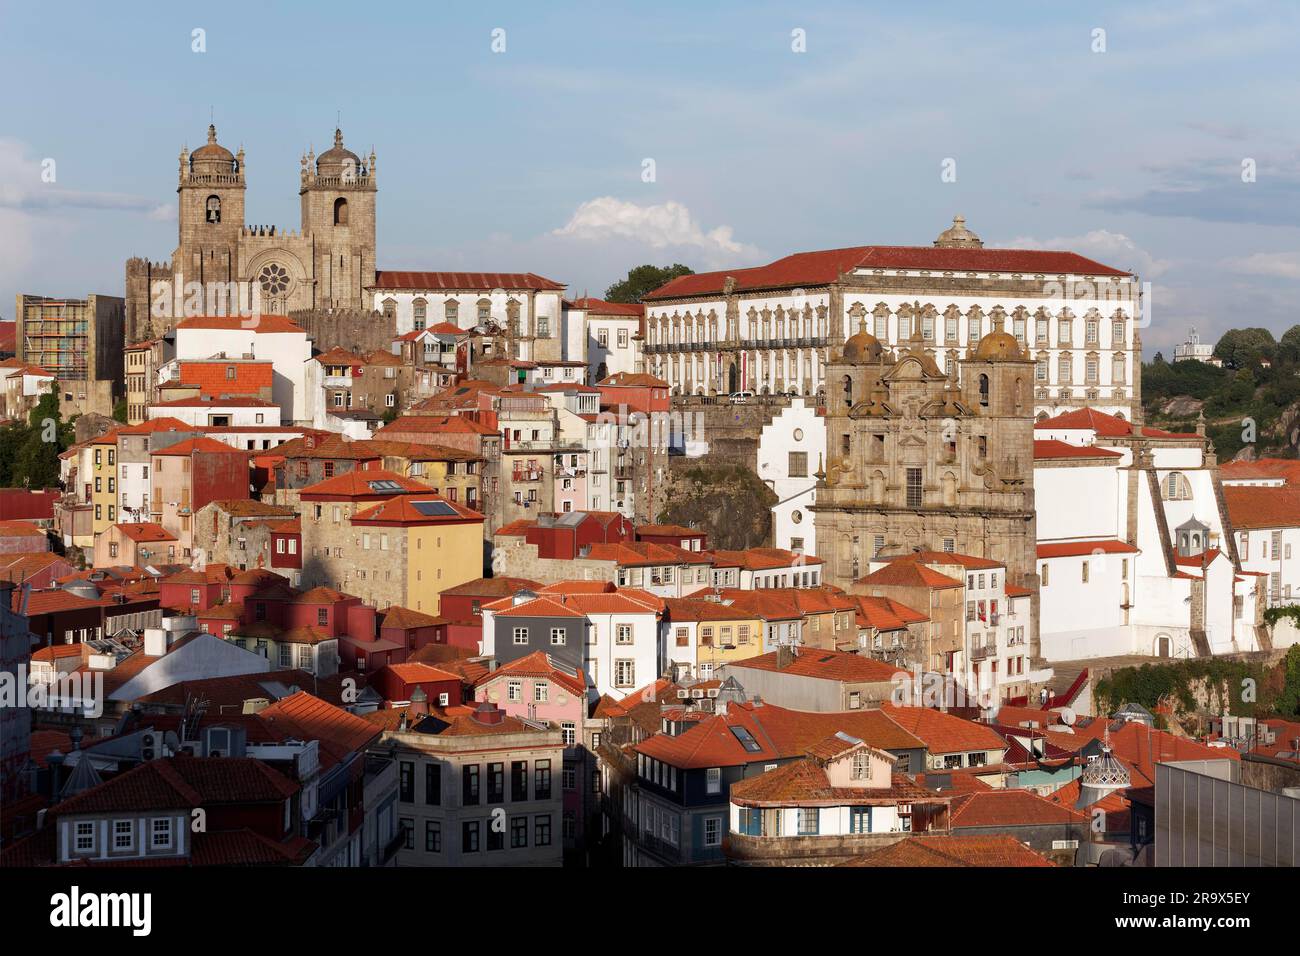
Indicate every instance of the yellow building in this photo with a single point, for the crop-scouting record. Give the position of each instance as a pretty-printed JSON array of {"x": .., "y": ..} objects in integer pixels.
[
  {"x": 455, "y": 474},
  {"x": 704, "y": 635},
  {"x": 412, "y": 548}
]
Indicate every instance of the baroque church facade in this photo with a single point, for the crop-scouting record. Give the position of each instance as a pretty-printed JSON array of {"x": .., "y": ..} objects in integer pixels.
[
  {"x": 917, "y": 459},
  {"x": 328, "y": 264}
]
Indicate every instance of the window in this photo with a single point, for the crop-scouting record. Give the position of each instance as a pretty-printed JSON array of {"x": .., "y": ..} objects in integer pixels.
[
  {"x": 559, "y": 636},
  {"x": 623, "y": 634},
  {"x": 624, "y": 673},
  {"x": 542, "y": 780},
  {"x": 432, "y": 836},
  {"x": 161, "y": 833},
  {"x": 569, "y": 733},
  {"x": 469, "y": 837},
  {"x": 521, "y": 635},
  {"x": 1043, "y": 576},
  {"x": 1084, "y": 571},
  {"x": 713, "y": 780},
  {"x": 798, "y": 464},
  {"x": 469, "y": 785},
  {"x": 541, "y": 691},
  {"x": 123, "y": 834},
  {"x": 861, "y": 766},
  {"x": 808, "y": 821},
  {"x": 518, "y": 832},
  {"x": 433, "y": 784},
  {"x": 914, "y": 487},
  {"x": 542, "y": 830},
  {"x": 514, "y": 690},
  {"x": 85, "y": 836},
  {"x": 496, "y": 783},
  {"x": 713, "y": 831},
  {"x": 519, "y": 780}
]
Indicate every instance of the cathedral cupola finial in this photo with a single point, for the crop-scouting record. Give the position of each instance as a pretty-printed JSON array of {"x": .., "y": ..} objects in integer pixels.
[{"x": 212, "y": 133}]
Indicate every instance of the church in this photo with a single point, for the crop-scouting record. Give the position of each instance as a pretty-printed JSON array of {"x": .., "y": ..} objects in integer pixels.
[
  {"x": 920, "y": 460},
  {"x": 327, "y": 264}
]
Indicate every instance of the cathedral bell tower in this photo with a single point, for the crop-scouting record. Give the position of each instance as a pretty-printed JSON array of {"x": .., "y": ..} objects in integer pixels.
[
  {"x": 338, "y": 215},
  {"x": 211, "y": 200}
]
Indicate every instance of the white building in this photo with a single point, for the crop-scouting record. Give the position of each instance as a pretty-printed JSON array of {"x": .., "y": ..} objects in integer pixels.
[
  {"x": 1133, "y": 552},
  {"x": 791, "y": 449},
  {"x": 607, "y": 335},
  {"x": 1267, "y": 524},
  {"x": 768, "y": 329},
  {"x": 528, "y": 305},
  {"x": 271, "y": 337},
  {"x": 1195, "y": 349},
  {"x": 219, "y": 412}
]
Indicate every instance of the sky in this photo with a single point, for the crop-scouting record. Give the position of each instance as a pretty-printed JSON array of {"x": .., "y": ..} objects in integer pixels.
[{"x": 577, "y": 140}]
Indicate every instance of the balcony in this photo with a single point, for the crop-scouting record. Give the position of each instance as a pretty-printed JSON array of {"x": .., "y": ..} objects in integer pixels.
[
  {"x": 527, "y": 475},
  {"x": 981, "y": 653}
]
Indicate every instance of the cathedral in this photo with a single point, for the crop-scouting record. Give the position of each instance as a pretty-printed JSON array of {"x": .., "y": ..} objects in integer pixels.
[
  {"x": 327, "y": 264},
  {"x": 920, "y": 460}
]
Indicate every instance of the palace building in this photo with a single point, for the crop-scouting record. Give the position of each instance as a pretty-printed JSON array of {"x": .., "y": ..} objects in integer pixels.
[{"x": 770, "y": 329}]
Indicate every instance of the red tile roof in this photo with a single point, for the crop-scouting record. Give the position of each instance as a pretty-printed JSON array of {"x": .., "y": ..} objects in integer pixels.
[
  {"x": 904, "y": 573},
  {"x": 205, "y": 445},
  {"x": 357, "y": 484},
  {"x": 825, "y": 665},
  {"x": 1010, "y": 808},
  {"x": 539, "y": 664},
  {"x": 602, "y": 307},
  {"x": 1252, "y": 507},
  {"x": 310, "y": 718},
  {"x": 145, "y": 531},
  {"x": 778, "y": 732},
  {"x": 257, "y": 324},
  {"x": 1076, "y": 549},
  {"x": 825, "y": 266},
  {"x": 405, "y": 510},
  {"x": 944, "y": 733},
  {"x": 464, "y": 281},
  {"x": 804, "y": 783},
  {"x": 1053, "y": 448},
  {"x": 941, "y": 850},
  {"x": 435, "y": 425}
]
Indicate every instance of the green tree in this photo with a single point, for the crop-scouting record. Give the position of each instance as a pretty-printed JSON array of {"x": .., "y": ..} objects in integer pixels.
[
  {"x": 1238, "y": 348},
  {"x": 47, "y": 436},
  {"x": 119, "y": 411},
  {"x": 1288, "y": 701},
  {"x": 644, "y": 279}
]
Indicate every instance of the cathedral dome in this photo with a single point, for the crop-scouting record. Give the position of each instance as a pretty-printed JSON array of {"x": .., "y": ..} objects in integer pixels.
[
  {"x": 957, "y": 236},
  {"x": 212, "y": 158},
  {"x": 862, "y": 347},
  {"x": 335, "y": 160},
  {"x": 998, "y": 345}
]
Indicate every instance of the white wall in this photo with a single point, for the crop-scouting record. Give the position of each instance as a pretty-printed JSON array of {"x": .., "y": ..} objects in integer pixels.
[{"x": 775, "y": 443}]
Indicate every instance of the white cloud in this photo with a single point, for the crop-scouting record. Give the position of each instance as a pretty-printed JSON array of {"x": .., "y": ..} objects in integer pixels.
[
  {"x": 1278, "y": 265},
  {"x": 1109, "y": 248},
  {"x": 669, "y": 225}
]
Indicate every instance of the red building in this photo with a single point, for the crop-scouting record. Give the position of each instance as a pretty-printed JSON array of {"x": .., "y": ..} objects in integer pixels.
[
  {"x": 397, "y": 682},
  {"x": 20, "y": 504},
  {"x": 286, "y": 545},
  {"x": 688, "y": 539},
  {"x": 636, "y": 391}
]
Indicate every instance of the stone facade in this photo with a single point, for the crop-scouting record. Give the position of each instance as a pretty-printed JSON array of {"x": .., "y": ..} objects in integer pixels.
[
  {"x": 327, "y": 264},
  {"x": 916, "y": 461}
]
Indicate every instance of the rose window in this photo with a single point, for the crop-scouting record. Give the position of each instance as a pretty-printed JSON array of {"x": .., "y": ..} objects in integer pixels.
[{"x": 274, "y": 278}]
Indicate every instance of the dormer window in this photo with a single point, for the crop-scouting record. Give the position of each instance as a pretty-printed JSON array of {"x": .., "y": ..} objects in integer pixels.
[{"x": 861, "y": 766}]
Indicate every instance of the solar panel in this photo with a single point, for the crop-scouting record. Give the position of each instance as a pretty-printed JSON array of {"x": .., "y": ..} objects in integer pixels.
[
  {"x": 384, "y": 485},
  {"x": 434, "y": 509}
]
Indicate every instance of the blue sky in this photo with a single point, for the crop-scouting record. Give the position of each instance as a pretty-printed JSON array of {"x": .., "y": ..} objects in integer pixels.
[{"x": 531, "y": 159}]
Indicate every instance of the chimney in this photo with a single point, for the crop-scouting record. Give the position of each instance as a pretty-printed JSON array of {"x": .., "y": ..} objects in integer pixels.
[
  {"x": 419, "y": 702},
  {"x": 785, "y": 656}
]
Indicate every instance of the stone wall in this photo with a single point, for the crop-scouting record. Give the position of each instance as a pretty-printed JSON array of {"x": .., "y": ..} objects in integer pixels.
[{"x": 354, "y": 330}]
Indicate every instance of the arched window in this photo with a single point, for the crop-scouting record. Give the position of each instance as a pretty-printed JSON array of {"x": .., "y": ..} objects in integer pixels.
[
  {"x": 982, "y": 446},
  {"x": 984, "y": 390},
  {"x": 390, "y": 308},
  {"x": 848, "y": 391},
  {"x": 213, "y": 209},
  {"x": 420, "y": 313},
  {"x": 450, "y": 310},
  {"x": 1176, "y": 486},
  {"x": 340, "y": 212}
]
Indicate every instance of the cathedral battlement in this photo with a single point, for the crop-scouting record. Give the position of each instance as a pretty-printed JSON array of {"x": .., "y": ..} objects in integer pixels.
[
  {"x": 142, "y": 265},
  {"x": 259, "y": 232}
]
